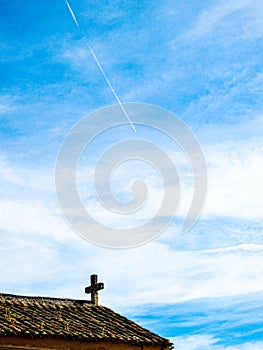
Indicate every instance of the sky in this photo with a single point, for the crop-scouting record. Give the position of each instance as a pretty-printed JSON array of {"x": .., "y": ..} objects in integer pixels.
[{"x": 202, "y": 61}]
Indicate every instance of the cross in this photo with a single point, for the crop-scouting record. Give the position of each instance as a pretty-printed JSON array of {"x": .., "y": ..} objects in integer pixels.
[{"x": 94, "y": 288}]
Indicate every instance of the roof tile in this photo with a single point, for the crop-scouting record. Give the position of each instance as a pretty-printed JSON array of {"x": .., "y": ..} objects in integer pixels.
[{"x": 70, "y": 319}]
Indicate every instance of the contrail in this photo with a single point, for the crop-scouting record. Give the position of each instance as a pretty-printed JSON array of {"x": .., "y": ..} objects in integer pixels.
[
  {"x": 102, "y": 71},
  {"x": 72, "y": 13}
]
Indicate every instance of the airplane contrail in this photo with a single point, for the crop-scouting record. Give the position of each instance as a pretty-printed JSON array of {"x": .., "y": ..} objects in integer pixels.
[
  {"x": 72, "y": 13},
  {"x": 102, "y": 71}
]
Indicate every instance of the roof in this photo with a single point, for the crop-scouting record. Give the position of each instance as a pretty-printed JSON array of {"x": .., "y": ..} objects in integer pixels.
[{"x": 42, "y": 317}]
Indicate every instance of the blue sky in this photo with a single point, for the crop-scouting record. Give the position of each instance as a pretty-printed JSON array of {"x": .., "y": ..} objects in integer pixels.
[{"x": 203, "y": 62}]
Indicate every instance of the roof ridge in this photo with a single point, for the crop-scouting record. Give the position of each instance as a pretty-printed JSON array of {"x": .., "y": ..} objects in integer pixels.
[{"x": 44, "y": 298}]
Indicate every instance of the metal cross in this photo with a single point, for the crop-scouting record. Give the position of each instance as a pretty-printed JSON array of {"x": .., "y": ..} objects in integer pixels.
[{"x": 94, "y": 288}]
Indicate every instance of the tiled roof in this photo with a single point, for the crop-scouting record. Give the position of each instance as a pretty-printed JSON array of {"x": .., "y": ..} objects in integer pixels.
[{"x": 38, "y": 317}]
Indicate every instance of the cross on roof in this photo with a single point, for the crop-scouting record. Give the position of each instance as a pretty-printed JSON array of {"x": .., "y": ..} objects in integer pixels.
[{"x": 94, "y": 288}]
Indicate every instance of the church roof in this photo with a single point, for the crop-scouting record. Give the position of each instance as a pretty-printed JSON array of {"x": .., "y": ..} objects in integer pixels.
[{"x": 41, "y": 317}]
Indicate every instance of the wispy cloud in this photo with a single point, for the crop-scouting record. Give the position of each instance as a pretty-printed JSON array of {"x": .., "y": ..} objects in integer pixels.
[
  {"x": 209, "y": 19},
  {"x": 220, "y": 323},
  {"x": 208, "y": 342}
]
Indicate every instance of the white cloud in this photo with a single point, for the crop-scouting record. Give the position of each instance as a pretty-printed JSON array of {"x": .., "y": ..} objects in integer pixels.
[
  {"x": 28, "y": 204},
  {"x": 227, "y": 269},
  {"x": 194, "y": 342},
  {"x": 186, "y": 275},
  {"x": 235, "y": 184},
  {"x": 235, "y": 180},
  {"x": 247, "y": 346},
  {"x": 214, "y": 16},
  {"x": 8, "y": 174},
  {"x": 7, "y": 104},
  {"x": 208, "y": 342},
  {"x": 29, "y": 217}
]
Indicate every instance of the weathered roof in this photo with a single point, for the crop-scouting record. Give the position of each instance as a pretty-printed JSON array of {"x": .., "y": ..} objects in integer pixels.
[{"x": 41, "y": 317}]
